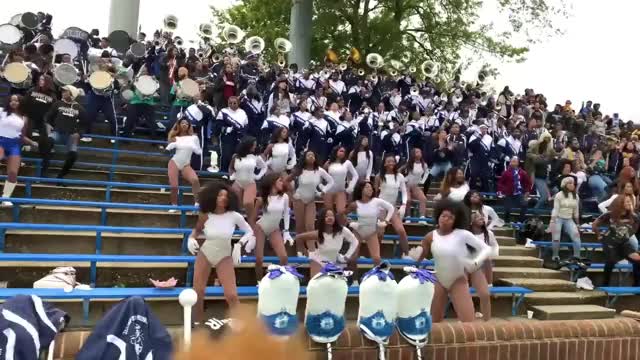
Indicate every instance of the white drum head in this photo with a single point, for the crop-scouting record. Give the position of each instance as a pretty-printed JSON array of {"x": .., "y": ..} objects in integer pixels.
[
  {"x": 138, "y": 49},
  {"x": 9, "y": 34},
  {"x": 190, "y": 88},
  {"x": 16, "y": 73},
  {"x": 15, "y": 19},
  {"x": 100, "y": 80},
  {"x": 65, "y": 74},
  {"x": 147, "y": 85},
  {"x": 66, "y": 46}
]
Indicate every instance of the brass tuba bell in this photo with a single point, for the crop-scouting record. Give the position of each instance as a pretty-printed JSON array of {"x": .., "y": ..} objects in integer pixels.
[
  {"x": 375, "y": 61},
  {"x": 332, "y": 56},
  {"x": 361, "y": 72},
  {"x": 254, "y": 45},
  {"x": 355, "y": 56},
  {"x": 342, "y": 66},
  {"x": 282, "y": 46},
  {"x": 232, "y": 34},
  {"x": 206, "y": 29},
  {"x": 170, "y": 23},
  {"x": 429, "y": 69}
]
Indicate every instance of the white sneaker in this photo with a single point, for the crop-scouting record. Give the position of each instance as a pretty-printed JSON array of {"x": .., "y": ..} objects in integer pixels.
[
  {"x": 529, "y": 244},
  {"x": 86, "y": 139},
  {"x": 196, "y": 205},
  {"x": 7, "y": 203},
  {"x": 479, "y": 315},
  {"x": 423, "y": 220},
  {"x": 584, "y": 283},
  {"x": 299, "y": 254},
  {"x": 173, "y": 211}
]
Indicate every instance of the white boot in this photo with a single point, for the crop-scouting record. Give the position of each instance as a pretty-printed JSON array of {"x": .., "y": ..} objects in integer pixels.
[{"x": 7, "y": 191}]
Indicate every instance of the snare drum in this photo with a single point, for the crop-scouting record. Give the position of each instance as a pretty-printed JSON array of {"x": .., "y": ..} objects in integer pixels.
[
  {"x": 187, "y": 90},
  {"x": 65, "y": 74},
  {"x": 66, "y": 46},
  {"x": 101, "y": 82},
  {"x": 138, "y": 50},
  {"x": 10, "y": 35},
  {"x": 146, "y": 86},
  {"x": 18, "y": 74}
]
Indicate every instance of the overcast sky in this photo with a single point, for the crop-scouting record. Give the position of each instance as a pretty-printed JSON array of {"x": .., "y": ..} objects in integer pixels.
[{"x": 595, "y": 60}]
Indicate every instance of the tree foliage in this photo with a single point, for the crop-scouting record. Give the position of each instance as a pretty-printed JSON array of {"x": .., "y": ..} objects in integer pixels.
[{"x": 438, "y": 30}]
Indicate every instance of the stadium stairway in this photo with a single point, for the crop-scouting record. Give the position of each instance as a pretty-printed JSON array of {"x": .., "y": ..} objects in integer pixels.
[{"x": 555, "y": 297}]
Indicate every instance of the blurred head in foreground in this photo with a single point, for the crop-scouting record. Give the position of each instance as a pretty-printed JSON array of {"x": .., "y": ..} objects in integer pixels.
[{"x": 249, "y": 340}]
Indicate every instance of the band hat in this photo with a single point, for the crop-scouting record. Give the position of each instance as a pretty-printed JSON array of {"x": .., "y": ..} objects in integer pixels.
[{"x": 72, "y": 90}]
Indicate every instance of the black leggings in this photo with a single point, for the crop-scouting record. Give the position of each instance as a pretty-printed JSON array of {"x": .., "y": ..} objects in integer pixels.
[{"x": 614, "y": 253}]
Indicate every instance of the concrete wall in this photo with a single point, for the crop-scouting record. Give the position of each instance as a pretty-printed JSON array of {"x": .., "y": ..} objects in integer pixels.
[{"x": 123, "y": 15}]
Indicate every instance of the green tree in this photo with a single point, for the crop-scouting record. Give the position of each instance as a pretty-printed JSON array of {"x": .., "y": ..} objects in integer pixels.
[{"x": 438, "y": 30}]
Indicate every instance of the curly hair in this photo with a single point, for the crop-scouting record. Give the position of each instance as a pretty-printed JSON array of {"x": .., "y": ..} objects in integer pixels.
[
  {"x": 459, "y": 213},
  {"x": 357, "y": 191},
  {"x": 208, "y": 197}
]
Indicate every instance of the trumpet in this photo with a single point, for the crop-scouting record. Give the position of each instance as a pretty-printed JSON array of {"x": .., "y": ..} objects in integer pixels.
[
  {"x": 170, "y": 22},
  {"x": 325, "y": 73},
  {"x": 232, "y": 34},
  {"x": 178, "y": 41},
  {"x": 374, "y": 61},
  {"x": 254, "y": 45},
  {"x": 342, "y": 66},
  {"x": 414, "y": 91},
  {"x": 216, "y": 58},
  {"x": 361, "y": 72},
  {"x": 412, "y": 69},
  {"x": 393, "y": 72}
]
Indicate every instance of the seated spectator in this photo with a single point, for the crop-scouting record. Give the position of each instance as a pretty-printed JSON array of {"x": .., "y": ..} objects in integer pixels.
[{"x": 515, "y": 185}]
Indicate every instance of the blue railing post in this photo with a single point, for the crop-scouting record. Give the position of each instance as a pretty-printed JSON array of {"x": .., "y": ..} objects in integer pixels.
[
  {"x": 16, "y": 212},
  {"x": 183, "y": 218},
  {"x": 3, "y": 234},
  {"x": 189, "y": 281},
  {"x": 114, "y": 159},
  {"x": 27, "y": 188},
  {"x": 108, "y": 193},
  {"x": 94, "y": 267},
  {"x": 85, "y": 310},
  {"x": 103, "y": 216},
  {"x": 39, "y": 169}
]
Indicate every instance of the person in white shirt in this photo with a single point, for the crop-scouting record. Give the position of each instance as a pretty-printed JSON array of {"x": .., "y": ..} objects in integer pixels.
[
  {"x": 275, "y": 208},
  {"x": 416, "y": 171},
  {"x": 217, "y": 222},
  {"x": 337, "y": 88},
  {"x": 243, "y": 172},
  {"x": 323, "y": 245},
  {"x": 185, "y": 143},
  {"x": 309, "y": 178},
  {"x": 232, "y": 122},
  {"x": 341, "y": 170},
  {"x": 389, "y": 183},
  {"x": 280, "y": 154},
  {"x": 450, "y": 245}
]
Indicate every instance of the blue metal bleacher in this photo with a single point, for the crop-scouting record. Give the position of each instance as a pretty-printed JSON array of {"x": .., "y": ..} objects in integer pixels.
[{"x": 614, "y": 292}]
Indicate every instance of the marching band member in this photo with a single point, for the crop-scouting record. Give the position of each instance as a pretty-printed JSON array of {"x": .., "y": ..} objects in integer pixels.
[
  {"x": 281, "y": 97},
  {"x": 345, "y": 132},
  {"x": 102, "y": 103},
  {"x": 389, "y": 183},
  {"x": 317, "y": 99},
  {"x": 458, "y": 144},
  {"x": 243, "y": 170},
  {"x": 480, "y": 145},
  {"x": 300, "y": 123},
  {"x": 275, "y": 208},
  {"x": 362, "y": 158},
  {"x": 319, "y": 134},
  {"x": 231, "y": 128},
  {"x": 339, "y": 167},
  {"x": 63, "y": 119},
  {"x": 276, "y": 119},
  {"x": 323, "y": 245},
  {"x": 450, "y": 244},
  {"x": 217, "y": 221},
  {"x": 185, "y": 143},
  {"x": 305, "y": 84},
  {"x": 252, "y": 105},
  {"x": 337, "y": 88},
  {"x": 180, "y": 102},
  {"x": 308, "y": 176},
  {"x": 202, "y": 117},
  {"x": 416, "y": 171},
  {"x": 141, "y": 106},
  {"x": 13, "y": 125},
  {"x": 509, "y": 147},
  {"x": 280, "y": 153},
  {"x": 38, "y": 101}
]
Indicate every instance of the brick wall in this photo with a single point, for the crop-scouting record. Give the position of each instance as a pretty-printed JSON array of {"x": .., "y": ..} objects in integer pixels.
[{"x": 611, "y": 339}]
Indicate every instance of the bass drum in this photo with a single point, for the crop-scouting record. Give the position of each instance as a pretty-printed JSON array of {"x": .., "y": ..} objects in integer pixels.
[
  {"x": 146, "y": 85},
  {"x": 18, "y": 74},
  {"x": 188, "y": 90},
  {"x": 138, "y": 50},
  {"x": 29, "y": 20},
  {"x": 66, "y": 46},
  {"x": 10, "y": 36},
  {"x": 101, "y": 82},
  {"x": 65, "y": 74}
]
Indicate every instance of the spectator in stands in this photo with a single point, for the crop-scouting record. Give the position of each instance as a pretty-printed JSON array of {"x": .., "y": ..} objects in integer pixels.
[
  {"x": 451, "y": 247},
  {"x": 13, "y": 126},
  {"x": 565, "y": 217},
  {"x": 475, "y": 202},
  {"x": 274, "y": 203},
  {"x": 38, "y": 101},
  {"x": 243, "y": 168},
  {"x": 482, "y": 278},
  {"x": 598, "y": 179},
  {"x": 217, "y": 222},
  {"x": 443, "y": 156},
  {"x": 514, "y": 185},
  {"x": 225, "y": 87},
  {"x": 185, "y": 143},
  {"x": 539, "y": 155},
  {"x": 622, "y": 222},
  {"x": 323, "y": 245},
  {"x": 453, "y": 187}
]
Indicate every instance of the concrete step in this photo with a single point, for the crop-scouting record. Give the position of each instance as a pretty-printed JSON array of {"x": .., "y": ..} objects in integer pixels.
[
  {"x": 528, "y": 273},
  {"x": 154, "y": 158},
  {"x": 518, "y": 250},
  {"x": 517, "y": 261},
  {"x": 506, "y": 240},
  {"x": 572, "y": 312},
  {"x": 566, "y": 298},
  {"x": 539, "y": 284},
  {"x": 103, "y": 175}
]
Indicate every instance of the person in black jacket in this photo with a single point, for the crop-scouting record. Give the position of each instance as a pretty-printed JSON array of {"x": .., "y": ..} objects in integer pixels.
[
  {"x": 38, "y": 102},
  {"x": 63, "y": 121}
]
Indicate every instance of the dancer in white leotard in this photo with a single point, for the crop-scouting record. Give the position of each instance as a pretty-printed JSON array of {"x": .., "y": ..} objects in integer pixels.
[
  {"x": 324, "y": 244},
  {"x": 217, "y": 221},
  {"x": 362, "y": 158},
  {"x": 309, "y": 178},
  {"x": 388, "y": 184},
  {"x": 450, "y": 244},
  {"x": 340, "y": 170},
  {"x": 280, "y": 153},
  {"x": 275, "y": 208},
  {"x": 416, "y": 172},
  {"x": 482, "y": 278},
  {"x": 243, "y": 170},
  {"x": 368, "y": 209},
  {"x": 182, "y": 139}
]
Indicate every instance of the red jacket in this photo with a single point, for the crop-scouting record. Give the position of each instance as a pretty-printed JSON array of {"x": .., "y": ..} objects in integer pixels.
[{"x": 505, "y": 184}]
